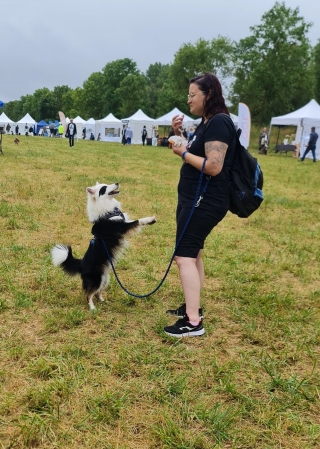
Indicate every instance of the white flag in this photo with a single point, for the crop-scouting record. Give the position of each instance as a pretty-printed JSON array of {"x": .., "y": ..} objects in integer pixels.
[{"x": 244, "y": 123}]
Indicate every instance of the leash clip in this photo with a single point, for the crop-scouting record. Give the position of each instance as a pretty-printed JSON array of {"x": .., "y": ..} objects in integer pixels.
[{"x": 198, "y": 202}]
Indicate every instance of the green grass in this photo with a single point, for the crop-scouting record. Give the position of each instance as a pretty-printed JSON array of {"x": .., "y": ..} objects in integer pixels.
[{"x": 70, "y": 378}]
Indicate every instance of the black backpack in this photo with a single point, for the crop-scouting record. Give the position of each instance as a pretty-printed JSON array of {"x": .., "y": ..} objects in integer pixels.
[
  {"x": 144, "y": 132},
  {"x": 246, "y": 182}
]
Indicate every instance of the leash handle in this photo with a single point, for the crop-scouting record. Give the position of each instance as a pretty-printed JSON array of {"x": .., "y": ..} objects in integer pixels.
[{"x": 195, "y": 204}]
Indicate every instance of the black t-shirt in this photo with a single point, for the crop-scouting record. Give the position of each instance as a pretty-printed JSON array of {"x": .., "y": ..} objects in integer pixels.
[{"x": 219, "y": 128}]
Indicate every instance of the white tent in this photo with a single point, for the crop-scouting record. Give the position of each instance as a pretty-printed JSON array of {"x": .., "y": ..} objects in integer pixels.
[
  {"x": 136, "y": 123},
  {"x": 109, "y": 129},
  {"x": 304, "y": 119},
  {"x": 234, "y": 118},
  {"x": 167, "y": 118},
  {"x": 80, "y": 124},
  {"x": 90, "y": 126},
  {"x": 27, "y": 119},
  {"x": 4, "y": 120}
]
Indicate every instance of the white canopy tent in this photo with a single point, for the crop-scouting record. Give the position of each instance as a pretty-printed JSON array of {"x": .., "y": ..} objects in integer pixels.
[
  {"x": 90, "y": 126},
  {"x": 80, "y": 124},
  {"x": 234, "y": 118},
  {"x": 27, "y": 119},
  {"x": 304, "y": 119},
  {"x": 109, "y": 129},
  {"x": 4, "y": 120},
  {"x": 136, "y": 123},
  {"x": 166, "y": 119}
]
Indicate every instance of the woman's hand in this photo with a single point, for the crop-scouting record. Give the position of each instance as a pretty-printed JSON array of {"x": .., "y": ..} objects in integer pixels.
[
  {"x": 177, "y": 124},
  {"x": 179, "y": 150}
]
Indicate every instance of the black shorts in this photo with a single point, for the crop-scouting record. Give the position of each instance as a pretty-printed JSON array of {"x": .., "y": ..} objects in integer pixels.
[{"x": 203, "y": 220}]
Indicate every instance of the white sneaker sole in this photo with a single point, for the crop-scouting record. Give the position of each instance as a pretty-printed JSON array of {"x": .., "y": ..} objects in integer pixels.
[{"x": 187, "y": 334}]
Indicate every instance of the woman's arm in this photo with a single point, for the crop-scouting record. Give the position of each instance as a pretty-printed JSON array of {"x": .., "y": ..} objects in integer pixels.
[{"x": 215, "y": 153}]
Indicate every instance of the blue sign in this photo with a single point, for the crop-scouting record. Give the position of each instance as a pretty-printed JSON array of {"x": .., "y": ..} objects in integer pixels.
[{"x": 1, "y": 104}]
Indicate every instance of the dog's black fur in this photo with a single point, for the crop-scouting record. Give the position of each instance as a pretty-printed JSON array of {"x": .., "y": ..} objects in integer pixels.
[{"x": 111, "y": 228}]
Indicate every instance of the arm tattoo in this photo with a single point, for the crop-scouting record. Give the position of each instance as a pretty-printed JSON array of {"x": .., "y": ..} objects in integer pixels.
[{"x": 215, "y": 152}]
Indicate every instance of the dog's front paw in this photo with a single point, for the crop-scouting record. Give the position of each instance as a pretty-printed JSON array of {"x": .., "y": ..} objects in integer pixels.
[{"x": 147, "y": 221}]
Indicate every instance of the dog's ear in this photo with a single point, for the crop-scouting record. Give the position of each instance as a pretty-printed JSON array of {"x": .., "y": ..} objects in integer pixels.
[
  {"x": 97, "y": 183},
  {"x": 90, "y": 190}
]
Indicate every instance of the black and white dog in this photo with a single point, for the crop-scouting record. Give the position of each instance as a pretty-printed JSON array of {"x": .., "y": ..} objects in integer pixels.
[{"x": 111, "y": 225}]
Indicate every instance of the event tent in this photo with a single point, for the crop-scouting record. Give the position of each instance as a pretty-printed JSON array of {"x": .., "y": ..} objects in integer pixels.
[
  {"x": 80, "y": 123},
  {"x": 167, "y": 118},
  {"x": 234, "y": 118},
  {"x": 304, "y": 119},
  {"x": 136, "y": 123},
  {"x": 90, "y": 126},
  {"x": 40, "y": 125},
  {"x": 4, "y": 120},
  {"x": 109, "y": 129},
  {"x": 27, "y": 119}
]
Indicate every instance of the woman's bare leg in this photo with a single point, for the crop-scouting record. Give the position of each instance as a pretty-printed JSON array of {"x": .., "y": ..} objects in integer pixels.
[
  {"x": 191, "y": 284},
  {"x": 200, "y": 267}
]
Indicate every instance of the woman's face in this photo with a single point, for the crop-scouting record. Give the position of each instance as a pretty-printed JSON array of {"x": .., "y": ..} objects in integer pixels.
[{"x": 196, "y": 100}]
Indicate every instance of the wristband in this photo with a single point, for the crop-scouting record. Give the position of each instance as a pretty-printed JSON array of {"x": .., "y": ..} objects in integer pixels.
[{"x": 183, "y": 155}]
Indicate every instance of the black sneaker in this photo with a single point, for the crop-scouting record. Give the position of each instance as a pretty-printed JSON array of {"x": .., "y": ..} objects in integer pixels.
[
  {"x": 183, "y": 328},
  {"x": 181, "y": 311}
]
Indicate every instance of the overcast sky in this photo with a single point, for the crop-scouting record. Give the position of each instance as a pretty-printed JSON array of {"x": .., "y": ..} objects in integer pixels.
[{"x": 45, "y": 44}]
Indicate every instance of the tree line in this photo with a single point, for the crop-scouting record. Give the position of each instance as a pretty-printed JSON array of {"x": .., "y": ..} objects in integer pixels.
[{"x": 274, "y": 70}]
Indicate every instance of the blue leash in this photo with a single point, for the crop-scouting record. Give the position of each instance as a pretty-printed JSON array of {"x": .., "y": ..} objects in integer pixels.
[{"x": 196, "y": 203}]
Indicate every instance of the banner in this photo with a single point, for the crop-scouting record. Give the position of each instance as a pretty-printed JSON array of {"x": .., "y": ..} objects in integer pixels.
[
  {"x": 63, "y": 121},
  {"x": 244, "y": 123}
]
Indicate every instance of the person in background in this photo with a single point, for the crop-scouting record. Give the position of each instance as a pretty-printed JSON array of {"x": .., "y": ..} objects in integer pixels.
[
  {"x": 26, "y": 129},
  {"x": 60, "y": 129},
  {"x": 184, "y": 133},
  {"x": 191, "y": 134},
  {"x": 144, "y": 134},
  {"x": 44, "y": 130},
  {"x": 129, "y": 135},
  {"x": 311, "y": 145},
  {"x": 8, "y": 128},
  {"x": 123, "y": 132},
  {"x": 99, "y": 137},
  {"x": 71, "y": 131},
  {"x": 17, "y": 130},
  {"x": 84, "y": 133},
  {"x": 263, "y": 138},
  {"x": 31, "y": 131}
]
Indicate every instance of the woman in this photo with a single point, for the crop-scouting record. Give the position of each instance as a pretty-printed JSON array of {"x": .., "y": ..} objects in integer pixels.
[{"x": 214, "y": 139}]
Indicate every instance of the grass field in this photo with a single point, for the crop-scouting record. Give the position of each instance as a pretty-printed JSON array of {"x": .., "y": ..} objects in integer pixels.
[{"x": 70, "y": 378}]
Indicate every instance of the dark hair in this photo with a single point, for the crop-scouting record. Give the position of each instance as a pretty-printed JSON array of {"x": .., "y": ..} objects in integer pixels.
[
  {"x": 313, "y": 128},
  {"x": 211, "y": 87}
]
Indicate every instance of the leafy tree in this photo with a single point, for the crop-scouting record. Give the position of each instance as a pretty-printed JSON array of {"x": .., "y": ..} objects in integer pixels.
[
  {"x": 113, "y": 74},
  {"x": 156, "y": 76},
  {"x": 316, "y": 71},
  {"x": 132, "y": 95},
  {"x": 14, "y": 110},
  {"x": 58, "y": 93},
  {"x": 191, "y": 60},
  {"x": 272, "y": 65},
  {"x": 93, "y": 90},
  {"x": 47, "y": 107}
]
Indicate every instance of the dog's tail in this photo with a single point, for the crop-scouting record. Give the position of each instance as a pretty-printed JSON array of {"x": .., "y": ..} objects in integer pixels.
[{"x": 62, "y": 255}]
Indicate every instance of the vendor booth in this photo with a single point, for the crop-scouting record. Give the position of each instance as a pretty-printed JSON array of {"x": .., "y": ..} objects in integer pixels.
[
  {"x": 109, "y": 129},
  {"x": 304, "y": 119},
  {"x": 136, "y": 122},
  {"x": 166, "y": 119},
  {"x": 90, "y": 126},
  {"x": 5, "y": 121},
  {"x": 40, "y": 127},
  {"x": 80, "y": 124},
  {"x": 27, "y": 119}
]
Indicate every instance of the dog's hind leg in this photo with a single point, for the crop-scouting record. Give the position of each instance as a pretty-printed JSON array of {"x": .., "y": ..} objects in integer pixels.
[{"x": 90, "y": 302}]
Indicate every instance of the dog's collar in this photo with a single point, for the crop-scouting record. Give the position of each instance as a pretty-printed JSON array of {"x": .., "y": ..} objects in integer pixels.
[{"x": 115, "y": 213}]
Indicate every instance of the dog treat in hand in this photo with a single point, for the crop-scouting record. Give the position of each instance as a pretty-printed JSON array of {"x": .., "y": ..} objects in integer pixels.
[{"x": 177, "y": 141}]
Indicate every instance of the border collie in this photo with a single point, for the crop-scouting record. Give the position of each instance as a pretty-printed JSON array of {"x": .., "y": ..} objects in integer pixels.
[{"x": 111, "y": 225}]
